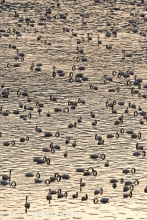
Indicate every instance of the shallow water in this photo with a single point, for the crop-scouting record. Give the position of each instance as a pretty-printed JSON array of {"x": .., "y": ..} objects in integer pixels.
[{"x": 62, "y": 54}]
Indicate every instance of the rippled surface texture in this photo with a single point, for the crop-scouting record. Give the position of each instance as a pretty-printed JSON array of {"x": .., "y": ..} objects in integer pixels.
[{"x": 92, "y": 50}]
